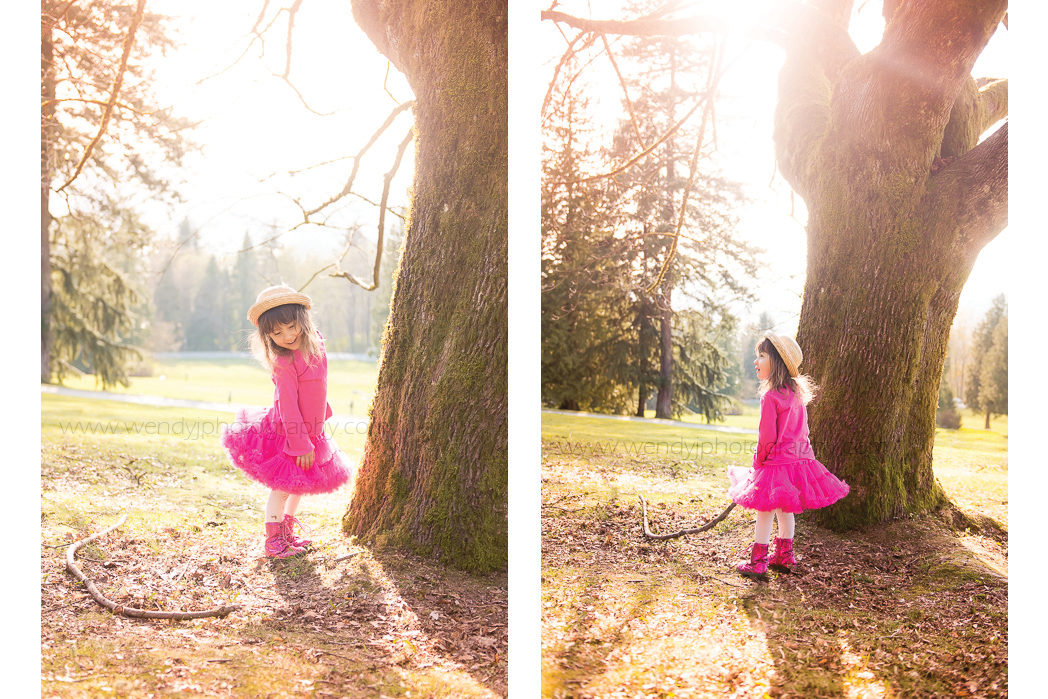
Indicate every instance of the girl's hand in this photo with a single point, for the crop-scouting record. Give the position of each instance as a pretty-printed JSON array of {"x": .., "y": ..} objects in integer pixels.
[{"x": 304, "y": 461}]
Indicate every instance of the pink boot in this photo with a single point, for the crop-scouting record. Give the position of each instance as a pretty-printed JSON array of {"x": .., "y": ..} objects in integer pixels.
[
  {"x": 782, "y": 559},
  {"x": 276, "y": 545},
  {"x": 287, "y": 528},
  {"x": 757, "y": 568}
]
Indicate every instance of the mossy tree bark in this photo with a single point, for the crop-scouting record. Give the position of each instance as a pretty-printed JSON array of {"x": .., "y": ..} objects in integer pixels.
[
  {"x": 901, "y": 196},
  {"x": 434, "y": 474}
]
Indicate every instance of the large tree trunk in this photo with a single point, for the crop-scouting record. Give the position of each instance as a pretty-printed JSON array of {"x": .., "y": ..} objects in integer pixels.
[
  {"x": 890, "y": 242},
  {"x": 434, "y": 474},
  {"x": 47, "y": 111}
]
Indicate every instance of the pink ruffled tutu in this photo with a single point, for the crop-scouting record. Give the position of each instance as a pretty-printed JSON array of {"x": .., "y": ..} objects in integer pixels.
[
  {"x": 795, "y": 486},
  {"x": 257, "y": 448}
]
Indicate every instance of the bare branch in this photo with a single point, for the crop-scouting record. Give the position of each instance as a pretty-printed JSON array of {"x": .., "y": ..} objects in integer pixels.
[
  {"x": 568, "y": 54},
  {"x": 640, "y": 27},
  {"x": 346, "y": 189},
  {"x": 381, "y": 221},
  {"x": 683, "y": 532},
  {"x": 315, "y": 275},
  {"x": 625, "y": 92},
  {"x": 292, "y": 11},
  {"x": 972, "y": 193},
  {"x": 712, "y": 79},
  {"x": 121, "y": 609},
  {"x": 301, "y": 98},
  {"x": 647, "y": 151},
  {"x": 114, "y": 93},
  {"x": 117, "y": 105}
]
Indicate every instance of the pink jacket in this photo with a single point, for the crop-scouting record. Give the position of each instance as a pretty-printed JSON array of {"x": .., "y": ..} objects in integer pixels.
[
  {"x": 300, "y": 399},
  {"x": 782, "y": 436}
]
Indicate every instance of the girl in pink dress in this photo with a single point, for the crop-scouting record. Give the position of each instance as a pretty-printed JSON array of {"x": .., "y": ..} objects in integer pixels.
[
  {"x": 285, "y": 446},
  {"x": 785, "y": 477}
]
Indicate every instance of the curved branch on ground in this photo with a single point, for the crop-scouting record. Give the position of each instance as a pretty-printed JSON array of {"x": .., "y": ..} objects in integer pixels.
[
  {"x": 683, "y": 532},
  {"x": 120, "y": 608}
]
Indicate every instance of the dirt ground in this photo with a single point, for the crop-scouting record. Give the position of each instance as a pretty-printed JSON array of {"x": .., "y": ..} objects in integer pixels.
[{"x": 344, "y": 620}]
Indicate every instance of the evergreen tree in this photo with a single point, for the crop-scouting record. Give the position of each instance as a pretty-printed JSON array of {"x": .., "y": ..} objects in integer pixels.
[
  {"x": 245, "y": 284},
  {"x": 208, "y": 328},
  {"x": 587, "y": 310},
  {"x": 989, "y": 363},
  {"x": 91, "y": 151}
]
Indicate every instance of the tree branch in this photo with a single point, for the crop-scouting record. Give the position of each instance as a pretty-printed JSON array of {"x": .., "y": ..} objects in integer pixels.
[
  {"x": 972, "y": 192},
  {"x": 346, "y": 188},
  {"x": 993, "y": 98},
  {"x": 683, "y": 532},
  {"x": 119, "y": 608},
  {"x": 114, "y": 93},
  {"x": 640, "y": 27},
  {"x": 568, "y": 54},
  {"x": 381, "y": 222}
]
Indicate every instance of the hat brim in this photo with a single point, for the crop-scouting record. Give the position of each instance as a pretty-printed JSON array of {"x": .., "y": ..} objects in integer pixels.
[
  {"x": 780, "y": 347},
  {"x": 262, "y": 306}
]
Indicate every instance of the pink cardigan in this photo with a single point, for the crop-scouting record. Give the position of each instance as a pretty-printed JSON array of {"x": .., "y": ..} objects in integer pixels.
[
  {"x": 300, "y": 399},
  {"x": 782, "y": 436}
]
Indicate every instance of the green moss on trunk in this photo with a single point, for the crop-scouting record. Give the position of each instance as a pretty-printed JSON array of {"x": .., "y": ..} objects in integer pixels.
[{"x": 434, "y": 477}]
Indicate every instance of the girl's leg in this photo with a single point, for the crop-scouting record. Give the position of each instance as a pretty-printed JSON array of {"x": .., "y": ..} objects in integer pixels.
[
  {"x": 786, "y": 524},
  {"x": 292, "y": 504},
  {"x": 762, "y": 530},
  {"x": 275, "y": 505}
]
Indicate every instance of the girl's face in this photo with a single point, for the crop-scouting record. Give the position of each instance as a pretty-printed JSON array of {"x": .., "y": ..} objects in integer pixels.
[
  {"x": 763, "y": 366},
  {"x": 286, "y": 335}
]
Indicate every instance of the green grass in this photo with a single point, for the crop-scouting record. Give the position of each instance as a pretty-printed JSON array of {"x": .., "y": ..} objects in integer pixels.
[
  {"x": 241, "y": 380},
  {"x": 344, "y": 625},
  {"x": 749, "y": 418}
]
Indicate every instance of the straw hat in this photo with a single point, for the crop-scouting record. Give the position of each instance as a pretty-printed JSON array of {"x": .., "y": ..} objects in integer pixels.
[
  {"x": 276, "y": 296},
  {"x": 788, "y": 349}
]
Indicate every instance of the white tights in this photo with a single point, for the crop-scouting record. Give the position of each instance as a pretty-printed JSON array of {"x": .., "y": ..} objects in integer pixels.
[
  {"x": 280, "y": 504},
  {"x": 762, "y": 533}
]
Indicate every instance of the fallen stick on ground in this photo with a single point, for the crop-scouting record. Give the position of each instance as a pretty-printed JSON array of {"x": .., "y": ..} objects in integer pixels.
[
  {"x": 693, "y": 530},
  {"x": 119, "y": 608}
]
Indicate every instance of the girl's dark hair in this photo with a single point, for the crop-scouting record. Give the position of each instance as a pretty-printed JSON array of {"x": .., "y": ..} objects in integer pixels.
[
  {"x": 802, "y": 386},
  {"x": 262, "y": 345}
]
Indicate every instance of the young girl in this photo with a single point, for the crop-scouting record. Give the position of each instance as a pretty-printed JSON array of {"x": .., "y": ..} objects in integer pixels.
[
  {"x": 285, "y": 447},
  {"x": 785, "y": 478}
]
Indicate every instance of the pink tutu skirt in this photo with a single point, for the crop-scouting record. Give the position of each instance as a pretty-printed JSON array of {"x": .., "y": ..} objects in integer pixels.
[
  {"x": 799, "y": 485},
  {"x": 256, "y": 448}
]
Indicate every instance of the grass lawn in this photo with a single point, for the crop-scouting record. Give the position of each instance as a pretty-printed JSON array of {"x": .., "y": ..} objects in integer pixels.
[
  {"x": 345, "y": 620},
  {"x": 914, "y": 608},
  {"x": 351, "y": 383}
]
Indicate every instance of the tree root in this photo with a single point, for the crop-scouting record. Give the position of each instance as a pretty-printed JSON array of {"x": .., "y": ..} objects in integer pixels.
[
  {"x": 130, "y": 611},
  {"x": 692, "y": 530}
]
